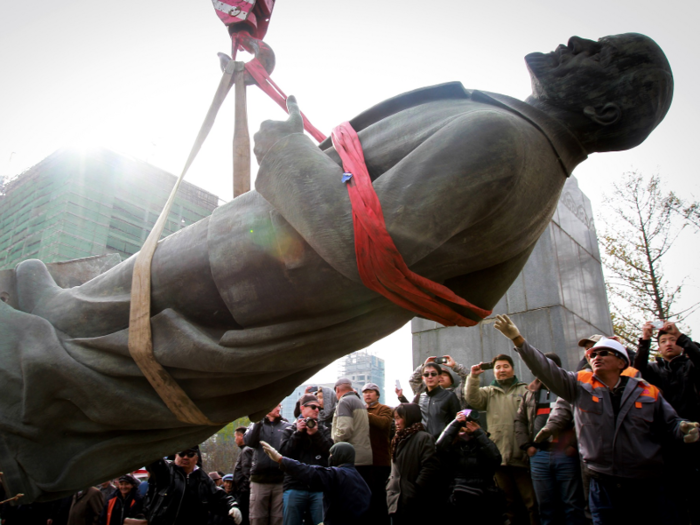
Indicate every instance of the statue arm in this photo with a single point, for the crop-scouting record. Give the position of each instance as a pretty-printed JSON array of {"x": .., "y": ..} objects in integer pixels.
[{"x": 427, "y": 197}]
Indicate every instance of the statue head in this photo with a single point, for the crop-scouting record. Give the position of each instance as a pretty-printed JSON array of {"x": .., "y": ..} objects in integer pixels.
[{"x": 613, "y": 92}]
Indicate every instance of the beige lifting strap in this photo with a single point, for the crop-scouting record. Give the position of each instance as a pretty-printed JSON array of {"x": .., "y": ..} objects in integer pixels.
[{"x": 140, "y": 340}]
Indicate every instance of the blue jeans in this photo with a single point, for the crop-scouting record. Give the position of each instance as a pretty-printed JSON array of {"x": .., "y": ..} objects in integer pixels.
[
  {"x": 297, "y": 502},
  {"x": 556, "y": 478}
]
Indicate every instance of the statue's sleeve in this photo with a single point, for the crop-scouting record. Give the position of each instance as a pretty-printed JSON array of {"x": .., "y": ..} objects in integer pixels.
[
  {"x": 304, "y": 185},
  {"x": 444, "y": 185}
]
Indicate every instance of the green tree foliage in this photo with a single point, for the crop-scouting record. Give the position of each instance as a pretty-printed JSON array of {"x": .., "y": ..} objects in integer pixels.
[
  {"x": 641, "y": 223},
  {"x": 220, "y": 451}
]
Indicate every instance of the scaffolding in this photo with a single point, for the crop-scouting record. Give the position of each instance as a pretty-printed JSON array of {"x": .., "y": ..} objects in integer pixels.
[
  {"x": 361, "y": 368},
  {"x": 76, "y": 204}
]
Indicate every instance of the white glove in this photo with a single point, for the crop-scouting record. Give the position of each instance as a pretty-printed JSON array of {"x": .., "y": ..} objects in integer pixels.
[
  {"x": 236, "y": 515},
  {"x": 504, "y": 325},
  {"x": 690, "y": 430},
  {"x": 274, "y": 455}
]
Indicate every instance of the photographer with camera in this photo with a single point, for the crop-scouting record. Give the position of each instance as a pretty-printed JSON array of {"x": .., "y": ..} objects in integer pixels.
[
  {"x": 308, "y": 442},
  {"x": 474, "y": 459}
]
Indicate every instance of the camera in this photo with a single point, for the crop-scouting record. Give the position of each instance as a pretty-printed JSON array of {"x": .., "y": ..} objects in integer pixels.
[
  {"x": 657, "y": 324},
  {"x": 440, "y": 360},
  {"x": 310, "y": 422},
  {"x": 472, "y": 415},
  {"x": 486, "y": 366}
]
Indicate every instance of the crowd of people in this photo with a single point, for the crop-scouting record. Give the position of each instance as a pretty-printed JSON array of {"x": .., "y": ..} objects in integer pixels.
[{"x": 613, "y": 441}]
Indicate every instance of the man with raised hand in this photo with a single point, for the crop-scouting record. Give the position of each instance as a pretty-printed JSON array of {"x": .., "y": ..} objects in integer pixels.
[
  {"x": 621, "y": 423},
  {"x": 501, "y": 400},
  {"x": 676, "y": 372}
]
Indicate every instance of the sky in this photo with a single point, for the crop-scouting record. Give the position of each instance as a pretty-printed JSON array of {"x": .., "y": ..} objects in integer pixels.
[{"x": 137, "y": 77}]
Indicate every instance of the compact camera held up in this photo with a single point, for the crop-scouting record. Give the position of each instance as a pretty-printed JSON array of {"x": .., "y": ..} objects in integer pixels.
[{"x": 471, "y": 415}]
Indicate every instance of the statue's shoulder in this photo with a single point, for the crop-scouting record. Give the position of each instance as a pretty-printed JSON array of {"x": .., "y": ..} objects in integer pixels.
[
  {"x": 424, "y": 95},
  {"x": 417, "y": 97}
]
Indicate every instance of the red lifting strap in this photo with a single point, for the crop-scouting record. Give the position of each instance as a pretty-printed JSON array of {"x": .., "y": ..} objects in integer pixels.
[
  {"x": 379, "y": 262},
  {"x": 261, "y": 77}
]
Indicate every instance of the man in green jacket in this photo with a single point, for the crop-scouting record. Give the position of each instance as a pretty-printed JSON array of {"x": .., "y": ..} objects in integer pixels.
[{"x": 501, "y": 400}]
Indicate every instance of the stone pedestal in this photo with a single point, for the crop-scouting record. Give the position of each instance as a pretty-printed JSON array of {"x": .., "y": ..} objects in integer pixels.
[{"x": 557, "y": 299}]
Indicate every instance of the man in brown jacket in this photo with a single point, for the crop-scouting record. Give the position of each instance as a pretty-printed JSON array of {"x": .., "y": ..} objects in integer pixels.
[
  {"x": 86, "y": 508},
  {"x": 380, "y": 422}
]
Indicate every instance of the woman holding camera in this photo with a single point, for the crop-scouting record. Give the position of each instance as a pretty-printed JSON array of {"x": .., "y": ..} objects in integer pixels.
[
  {"x": 414, "y": 468},
  {"x": 474, "y": 459}
]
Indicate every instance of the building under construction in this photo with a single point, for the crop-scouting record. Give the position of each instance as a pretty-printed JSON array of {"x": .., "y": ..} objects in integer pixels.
[
  {"x": 361, "y": 368},
  {"x": 76, "y": 204}
]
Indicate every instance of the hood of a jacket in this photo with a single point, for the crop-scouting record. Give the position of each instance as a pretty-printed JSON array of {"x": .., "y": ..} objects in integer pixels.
[
  {"x": 329, "y": 403},
  {"x": 340, "y": 454}
]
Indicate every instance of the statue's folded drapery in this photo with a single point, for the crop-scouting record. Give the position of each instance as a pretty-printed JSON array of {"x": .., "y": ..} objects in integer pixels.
[{"x": 251, "y": 301}]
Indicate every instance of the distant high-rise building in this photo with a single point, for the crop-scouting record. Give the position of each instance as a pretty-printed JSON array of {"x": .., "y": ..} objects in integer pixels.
[
  {"x": 361, "y": 368},
  {"x": 76, "y": 204}
]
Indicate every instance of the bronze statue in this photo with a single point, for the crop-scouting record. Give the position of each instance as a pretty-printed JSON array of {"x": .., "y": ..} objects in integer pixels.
[{"x": 251, "y": 301}]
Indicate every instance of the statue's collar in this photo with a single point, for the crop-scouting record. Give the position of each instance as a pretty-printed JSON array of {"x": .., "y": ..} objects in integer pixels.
[
  {"x": 566, "y": 146},
  {"x": 569, "y": 150}
]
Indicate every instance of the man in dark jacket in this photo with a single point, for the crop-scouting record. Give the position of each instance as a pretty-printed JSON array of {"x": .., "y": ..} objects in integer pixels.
[
  {"x": 437, "y": 405},
  {"x": 183, "y": 494},
  {"x": 676, "y": 372},
  {"x": 473, "y": 459},
  {"x": 554, "y": 465},
  {"x": 308, "y": 442},
  {"x": 346, "y": 495},
  {"x": 240, "y": 480},
  {"x": 124, "y": 503},
  {"x": 266, "y": 490}
]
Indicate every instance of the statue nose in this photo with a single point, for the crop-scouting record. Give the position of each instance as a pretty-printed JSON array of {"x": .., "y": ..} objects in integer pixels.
[{"x": 581, "y": 45}]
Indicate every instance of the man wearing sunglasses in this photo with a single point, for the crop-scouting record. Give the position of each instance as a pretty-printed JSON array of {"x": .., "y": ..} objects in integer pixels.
[
  {"x": 184, "y": 494},
  {"x": 437, "y": 405},
  {"x": 621, "y": 423},
  {"x": 310, "y": 443}
]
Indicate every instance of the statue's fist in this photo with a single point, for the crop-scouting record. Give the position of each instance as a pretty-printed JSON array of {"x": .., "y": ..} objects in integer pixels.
[{"x": 272, "y": 131}]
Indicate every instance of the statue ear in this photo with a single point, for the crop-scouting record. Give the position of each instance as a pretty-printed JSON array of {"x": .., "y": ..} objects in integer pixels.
[{"x": 610, "y": 114}]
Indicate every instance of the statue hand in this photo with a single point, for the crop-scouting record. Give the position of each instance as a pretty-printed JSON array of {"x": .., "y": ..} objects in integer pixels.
[{"x": 272, "y": 131}]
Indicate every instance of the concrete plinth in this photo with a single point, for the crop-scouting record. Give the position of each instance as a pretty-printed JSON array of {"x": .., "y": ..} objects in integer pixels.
[{"x": 557, "y": 299}]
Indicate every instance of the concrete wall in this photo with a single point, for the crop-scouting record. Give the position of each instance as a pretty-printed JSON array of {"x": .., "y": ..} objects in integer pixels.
[{"x": 557, "y": 299}]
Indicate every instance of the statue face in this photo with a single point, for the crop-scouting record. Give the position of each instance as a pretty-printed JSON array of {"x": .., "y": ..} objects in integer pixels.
[
  {"x": 613, "y": 92},
  {"x": 576, "y": 74}
]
